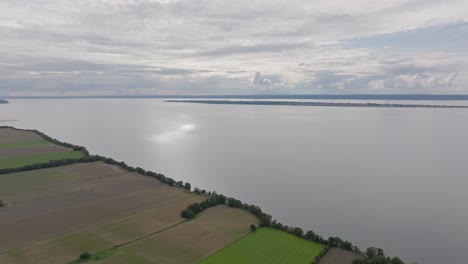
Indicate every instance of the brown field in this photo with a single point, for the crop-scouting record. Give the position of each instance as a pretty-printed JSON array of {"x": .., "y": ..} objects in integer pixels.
[
  {"x": 190, "y": 241},
  {"x": 8, "y": 135},
  {"x": 65, "y": 248},
  {"x": 50, "y": 202},
  {"x": 339, "y": 256},
  {"x": 21, "y": 151}
]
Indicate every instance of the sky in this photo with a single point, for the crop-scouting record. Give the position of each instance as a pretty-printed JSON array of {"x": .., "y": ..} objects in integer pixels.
[{"x": 201, "y": 47}]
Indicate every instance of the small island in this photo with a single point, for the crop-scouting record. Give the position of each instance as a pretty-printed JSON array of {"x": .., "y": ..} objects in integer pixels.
[
  {"x": 3, "y": 101},
  {"x": 326, "y": 104}
]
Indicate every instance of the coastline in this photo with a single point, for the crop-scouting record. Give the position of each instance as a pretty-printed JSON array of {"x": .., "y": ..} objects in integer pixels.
[
  {"x": 318, "y": 104},
  {"x": 213, "y": 198}
]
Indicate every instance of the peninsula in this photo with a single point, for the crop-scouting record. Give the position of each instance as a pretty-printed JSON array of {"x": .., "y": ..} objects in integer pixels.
[
  {"x": 324, "y": 104},
  {"x": 3, "y": 101},
  {"x": 57, "y": 197}
]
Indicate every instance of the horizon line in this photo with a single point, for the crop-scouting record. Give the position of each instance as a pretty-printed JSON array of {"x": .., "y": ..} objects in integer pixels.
[{"x": 259, "y": 96}]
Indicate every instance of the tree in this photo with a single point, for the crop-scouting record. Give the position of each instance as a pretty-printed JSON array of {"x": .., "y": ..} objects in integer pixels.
[
  {"x": 396, "y": 260},
  {"x": 187, "y": 186},
  {"x": 298, "y": 231},
  {"x": 380, "y": 252},
  {"x": 347, "y": 245},
  {"x": 253, "y": 228},
  {"x": 189, "y": 214},
  {"x": 234, "y": 203},
  {"x": 85, "y": 256},
  {"x": 195, "y": 208},
  {"x": 371, "y": 252},
  {"x": 310, "y": 235}
]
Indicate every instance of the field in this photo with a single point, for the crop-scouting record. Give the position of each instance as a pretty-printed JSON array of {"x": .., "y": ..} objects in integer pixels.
[
  {"x": 19, "y": 148},
  {"x": 267, "y": 245},
  {"x": 339, "y": 256},
  {"x": 50, "y": 203},
  {"x": 188, "y": 242}
]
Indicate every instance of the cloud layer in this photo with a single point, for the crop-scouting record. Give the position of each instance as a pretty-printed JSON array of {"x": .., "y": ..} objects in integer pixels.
[{"x": 118, "y": 47}]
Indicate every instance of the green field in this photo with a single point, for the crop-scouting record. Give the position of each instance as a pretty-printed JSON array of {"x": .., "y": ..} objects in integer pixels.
[
  {"x": 24, "y": 144},
  {"x": 19, "y": 161},
  {"x": 267, "y": 245}
]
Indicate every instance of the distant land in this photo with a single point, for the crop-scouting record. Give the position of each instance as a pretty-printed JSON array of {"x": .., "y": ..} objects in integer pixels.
[
  {"x": 410, "y": 97},
  {"x": 329, "y": 104},
  {"x": 3, "y": 101}
]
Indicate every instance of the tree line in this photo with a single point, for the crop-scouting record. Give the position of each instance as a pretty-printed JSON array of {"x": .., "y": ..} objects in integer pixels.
[{"x": 377, "y": 256}]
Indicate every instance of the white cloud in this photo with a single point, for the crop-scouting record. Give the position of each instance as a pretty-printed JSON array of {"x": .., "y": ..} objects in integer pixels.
[{"x": 216, "y": 46}]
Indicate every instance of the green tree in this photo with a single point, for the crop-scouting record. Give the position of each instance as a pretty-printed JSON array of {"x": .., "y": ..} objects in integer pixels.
[
  {"x": 298, "y": 231},
  {"x": 371, "y": 252},
  {"x": 253, "y": 228},
  {"x": 85, "y": 256},
  {"x": 189, "y": 214},
  {"x": 187, "y": 186},
  {"x": 234, "y": 202},
  {"x": 396, "y": 260}
]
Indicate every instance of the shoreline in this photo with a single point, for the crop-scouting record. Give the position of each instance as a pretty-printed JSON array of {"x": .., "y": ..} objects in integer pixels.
[
  {"x": 213, "y": 198},
  {"x": 319, "y": 104}
]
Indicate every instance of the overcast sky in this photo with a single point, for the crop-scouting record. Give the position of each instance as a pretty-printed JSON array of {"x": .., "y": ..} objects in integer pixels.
[{"x": 139, "y": 47}]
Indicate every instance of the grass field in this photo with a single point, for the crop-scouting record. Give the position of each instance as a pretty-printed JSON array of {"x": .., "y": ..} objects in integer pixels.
[
  {"x": 267, "y": 245},
  {"x": 19, "y": 161}
]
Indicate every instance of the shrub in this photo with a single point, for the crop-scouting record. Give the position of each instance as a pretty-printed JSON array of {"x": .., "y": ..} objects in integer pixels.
[
  {"x": 189, "y": 214},
  {"x": 85, "y": 256},
  {"x": 253, "y": 228},
  {"x": 234, "y": 203}
]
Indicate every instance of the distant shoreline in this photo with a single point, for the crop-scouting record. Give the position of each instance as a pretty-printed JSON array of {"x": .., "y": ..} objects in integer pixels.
[{"x": 323, "y": 104}]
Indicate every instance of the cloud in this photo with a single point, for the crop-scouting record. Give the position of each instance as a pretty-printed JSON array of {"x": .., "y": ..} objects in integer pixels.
[{"x": 216, "y": 46}]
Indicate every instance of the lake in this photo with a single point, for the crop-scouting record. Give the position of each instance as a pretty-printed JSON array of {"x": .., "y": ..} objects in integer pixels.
[{"x": 387, "y": 177}]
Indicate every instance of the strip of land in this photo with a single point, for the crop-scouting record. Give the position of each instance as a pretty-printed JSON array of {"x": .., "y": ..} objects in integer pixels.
[
  {"x": 324, "y": 104},
  {"x": 52, "y": 213}
]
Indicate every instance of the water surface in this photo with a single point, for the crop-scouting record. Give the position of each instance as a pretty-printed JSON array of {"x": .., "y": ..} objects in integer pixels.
[{"x": 388, "y": 177}]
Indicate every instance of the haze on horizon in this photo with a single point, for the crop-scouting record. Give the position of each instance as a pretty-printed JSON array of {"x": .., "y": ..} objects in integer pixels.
[{"x": 131, "y": 47}]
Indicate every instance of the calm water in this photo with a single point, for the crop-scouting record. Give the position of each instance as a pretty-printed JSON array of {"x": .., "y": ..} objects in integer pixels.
[{"x": 393, "y": 178}]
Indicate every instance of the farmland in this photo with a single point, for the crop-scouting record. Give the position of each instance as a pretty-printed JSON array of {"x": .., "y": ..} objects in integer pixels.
[
  {"x": 60, "y": 212},
  {"x": 19, "y": 148},
  {"x": 68, "y": 198},
  {"x": 119, "y": 215},
  {"x": 190, "y": 241},
  {"x": 339, "y": 256},
  {"x": 267, "y": 245}
]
